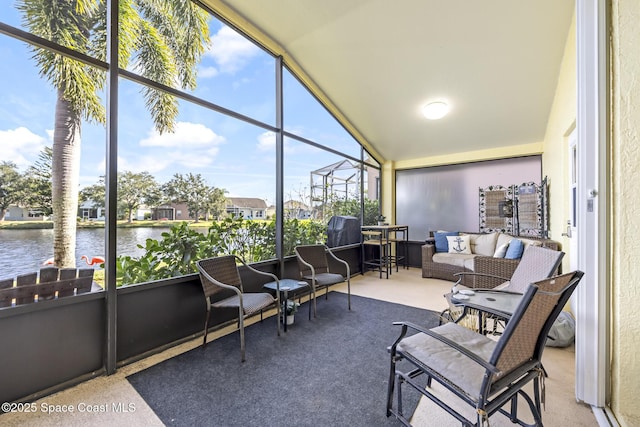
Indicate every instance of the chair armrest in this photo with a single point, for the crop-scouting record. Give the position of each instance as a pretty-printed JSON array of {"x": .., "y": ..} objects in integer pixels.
[
  {"x": 346, "y": 264},
  {"x": 313, "y": 270},
  {"x": 428, "y": 250},
  {"x": 273, "y": 277},
  {"x": 473, "y": 356}
]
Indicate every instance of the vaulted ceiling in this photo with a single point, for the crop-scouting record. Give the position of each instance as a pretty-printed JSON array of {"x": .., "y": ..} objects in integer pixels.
[{"x": 495, "y": 62}]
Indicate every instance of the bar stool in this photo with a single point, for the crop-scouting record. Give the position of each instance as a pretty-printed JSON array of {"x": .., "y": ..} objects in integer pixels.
[
  {"x": 377, "y": 239},
  {"x": 397, "y": 238}
]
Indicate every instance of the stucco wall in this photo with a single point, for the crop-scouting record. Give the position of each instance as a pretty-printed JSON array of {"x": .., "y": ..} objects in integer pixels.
[
  {"x": 555, "y": 157},
  {"x": 625, "y": 168}
]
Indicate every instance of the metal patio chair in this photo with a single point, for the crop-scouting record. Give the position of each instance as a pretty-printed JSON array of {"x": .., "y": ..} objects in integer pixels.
[
  {"x": 220, "y": 278},
  {"x": 476, "y": 370},
  {"x": 314, "y": 268}
]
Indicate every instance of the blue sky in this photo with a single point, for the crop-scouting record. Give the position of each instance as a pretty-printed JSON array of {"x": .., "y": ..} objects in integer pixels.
[{"x": 228, "y": 153}]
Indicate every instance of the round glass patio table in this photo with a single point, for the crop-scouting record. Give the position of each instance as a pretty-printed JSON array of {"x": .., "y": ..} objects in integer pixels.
[
  {"x": 286, "y": 286},
  {"x": 501, "y": 304}
]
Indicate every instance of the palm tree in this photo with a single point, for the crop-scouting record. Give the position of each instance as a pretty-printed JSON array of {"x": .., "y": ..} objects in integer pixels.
[{"x": 162, "y": 40}]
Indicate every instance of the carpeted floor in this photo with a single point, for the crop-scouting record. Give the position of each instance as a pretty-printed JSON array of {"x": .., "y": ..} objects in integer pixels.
[{"x": 331, "y": 370}]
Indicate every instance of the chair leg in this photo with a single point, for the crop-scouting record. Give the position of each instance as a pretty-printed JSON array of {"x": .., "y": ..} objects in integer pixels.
[
  {"x": 315, "y": 312},
  {"x": 206, "y": 329},
  {"x": 311, "y": 298},
  {"x": 349, "y": 292},
  {"x": 278, "y": 314},
  {"x": 391, "y": 385},
  {"x": 536, "y": 394},
  {"x": 241, "y": 322},
  {"x": 399, "y": 386}
]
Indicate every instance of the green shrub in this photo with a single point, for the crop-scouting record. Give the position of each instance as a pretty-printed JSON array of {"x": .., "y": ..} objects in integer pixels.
[{"x": 180, "y": 247}]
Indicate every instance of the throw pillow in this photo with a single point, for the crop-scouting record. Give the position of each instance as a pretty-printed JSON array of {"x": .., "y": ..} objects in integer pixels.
[
  {"x": 441, "y": 240},
  {"x": 515, "y": 249},
  {"x": 530, "y": 242},
  {"x": 459, "y": 244},
  {"x": 501, "y": 251}
]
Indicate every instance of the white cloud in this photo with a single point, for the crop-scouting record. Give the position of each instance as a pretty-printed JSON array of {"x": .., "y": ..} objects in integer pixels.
[
  {"x": 207, "y": 72},
  {"x": 267, "y": 141},
  {"x": 150, "y": 163},
  {"x": 196, "y": 160},
  {"x": 190, "y": 147},
  {"x": 21, "y": 146},
  {"x": 186, "y": 135},
  {"x": 230, "y": 50}
]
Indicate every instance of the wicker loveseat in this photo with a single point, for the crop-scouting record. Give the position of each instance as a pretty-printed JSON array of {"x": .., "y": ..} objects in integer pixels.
[{"x": 443, "y": 265}]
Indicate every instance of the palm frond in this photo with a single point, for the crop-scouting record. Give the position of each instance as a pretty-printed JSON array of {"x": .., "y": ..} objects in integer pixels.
[
  {"x": 69, "y": 23},
  {"x": 185, "y": 28},
  {"x": 164, "y": 40}
]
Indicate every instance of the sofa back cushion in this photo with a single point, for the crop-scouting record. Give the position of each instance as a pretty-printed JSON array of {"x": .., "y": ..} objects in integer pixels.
[
  {"x": 506, "y": 238},
  {"x": 502, "y": 239},
  {"x": 530, "y": 242},
  {"x": 483, "y": 243}
]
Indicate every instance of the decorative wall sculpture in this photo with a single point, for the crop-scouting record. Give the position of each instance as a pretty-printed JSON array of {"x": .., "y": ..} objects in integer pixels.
[
  {"x": 494, "y": 212},
  {"x": 521, "y": 210}
]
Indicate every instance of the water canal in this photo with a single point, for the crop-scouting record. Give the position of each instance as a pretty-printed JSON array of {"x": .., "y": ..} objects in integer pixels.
[{"x": 24, "y": 251}]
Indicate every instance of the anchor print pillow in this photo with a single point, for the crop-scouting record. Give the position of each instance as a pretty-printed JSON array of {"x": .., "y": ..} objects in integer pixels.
[{"x": 459, "y": 244}]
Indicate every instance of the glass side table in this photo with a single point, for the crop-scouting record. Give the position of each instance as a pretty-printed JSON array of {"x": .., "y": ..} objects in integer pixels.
[
  {"x": 287, "y": 286},
  {"x": 501, "y": 304}
]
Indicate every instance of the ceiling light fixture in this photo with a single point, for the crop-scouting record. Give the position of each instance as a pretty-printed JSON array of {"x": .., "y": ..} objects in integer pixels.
[{"x": 435, "y": 110}]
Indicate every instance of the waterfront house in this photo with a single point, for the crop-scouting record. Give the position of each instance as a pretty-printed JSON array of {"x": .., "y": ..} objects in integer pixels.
[
  {"x": 19, "y": 213},
  {"x": 248, "y": 207}
]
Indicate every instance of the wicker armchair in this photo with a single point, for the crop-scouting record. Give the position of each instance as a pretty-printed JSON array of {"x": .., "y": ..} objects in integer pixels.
[
  {"x": 479, "y": 371},
  {"x": 222, "y": 288},
  {"x": 314, "y": 268}
]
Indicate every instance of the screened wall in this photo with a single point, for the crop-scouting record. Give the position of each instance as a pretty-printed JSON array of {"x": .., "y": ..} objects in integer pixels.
[
  {"x": 127, "y": 151},
  {"x": 185, "y": 121}
]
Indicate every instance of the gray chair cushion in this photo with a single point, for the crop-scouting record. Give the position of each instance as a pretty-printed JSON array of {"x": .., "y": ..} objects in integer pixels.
[
  {"x": 450, "y": 363},
  {"x": 327, "y": 279},
  {"x": 252, "y": 302}
]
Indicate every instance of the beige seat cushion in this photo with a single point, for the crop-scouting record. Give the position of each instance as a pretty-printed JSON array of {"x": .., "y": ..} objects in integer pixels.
[{"x": 459, "y": 260}]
